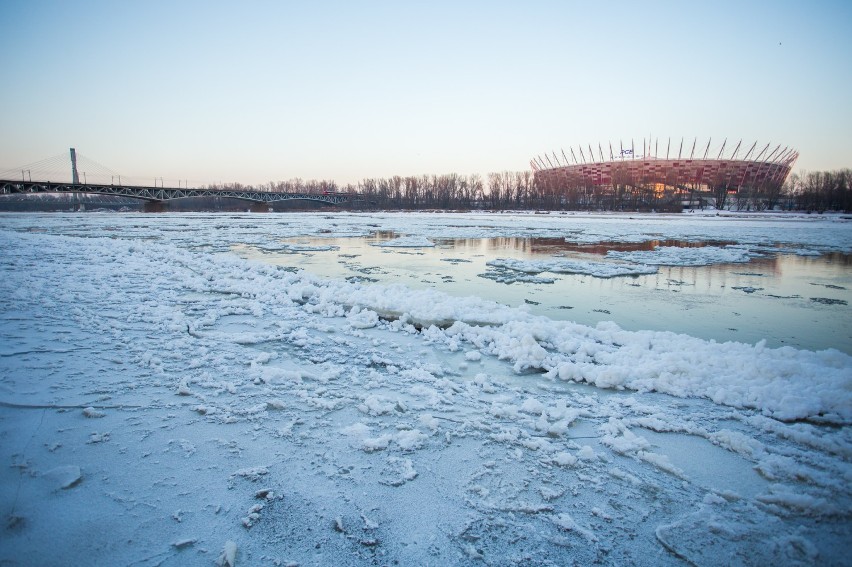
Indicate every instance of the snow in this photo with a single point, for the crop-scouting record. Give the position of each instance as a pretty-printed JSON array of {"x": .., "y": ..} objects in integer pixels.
[
  {"x": 687, "y": 256},
  {"x": 228, "y": 556},
  {"x": 64, "y": 477},
  {"x": 164, "y": 401}
]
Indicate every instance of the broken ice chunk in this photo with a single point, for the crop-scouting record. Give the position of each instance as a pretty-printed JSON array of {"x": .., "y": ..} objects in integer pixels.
[{"x": 64, "y": 477}]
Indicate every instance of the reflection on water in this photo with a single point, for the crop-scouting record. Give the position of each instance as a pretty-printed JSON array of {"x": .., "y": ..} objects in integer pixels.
[{"x": 786, "y": 299}]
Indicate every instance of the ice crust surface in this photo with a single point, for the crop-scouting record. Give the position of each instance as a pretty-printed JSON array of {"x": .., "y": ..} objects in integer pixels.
[
  {"x": 165, "y": 402},
  {"x": 680, "y": 256}
]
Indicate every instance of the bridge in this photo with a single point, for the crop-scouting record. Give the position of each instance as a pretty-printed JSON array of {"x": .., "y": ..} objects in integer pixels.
[
  {"x": 159, "y": 194},
  {"x": 150, "y": 193}
]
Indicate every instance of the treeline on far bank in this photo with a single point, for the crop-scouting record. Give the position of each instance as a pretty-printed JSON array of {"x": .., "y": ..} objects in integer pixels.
[
  {"x": 807, "y": 191},
  {"x": 820, "y": 190}
]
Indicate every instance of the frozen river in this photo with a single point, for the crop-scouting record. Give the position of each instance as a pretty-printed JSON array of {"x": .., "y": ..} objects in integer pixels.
[
  {"x": 429, "y": 389},
  {"x": 798, "y": 298}
]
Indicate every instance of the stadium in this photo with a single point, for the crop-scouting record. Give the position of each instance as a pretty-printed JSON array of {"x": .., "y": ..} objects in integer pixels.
[{"x": 668, "y": 176}]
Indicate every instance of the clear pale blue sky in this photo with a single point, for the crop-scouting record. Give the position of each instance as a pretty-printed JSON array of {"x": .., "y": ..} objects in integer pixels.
[{"x": 256, "y": 91}]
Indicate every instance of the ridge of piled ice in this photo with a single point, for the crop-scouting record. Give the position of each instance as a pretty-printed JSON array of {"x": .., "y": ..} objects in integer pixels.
[{"x": 785, "y": 383}]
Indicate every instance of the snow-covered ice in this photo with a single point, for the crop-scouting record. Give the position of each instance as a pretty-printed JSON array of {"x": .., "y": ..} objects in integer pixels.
[
  {"x": 680, "y": 256},
  {"x": 165, "y": 402}
]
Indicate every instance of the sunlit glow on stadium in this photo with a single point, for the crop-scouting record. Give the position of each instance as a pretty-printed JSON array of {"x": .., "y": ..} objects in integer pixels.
[{"x": 670, "y": 169}]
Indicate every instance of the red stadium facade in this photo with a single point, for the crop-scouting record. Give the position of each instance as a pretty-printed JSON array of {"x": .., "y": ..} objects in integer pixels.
[{"x": 657, "y": 179}]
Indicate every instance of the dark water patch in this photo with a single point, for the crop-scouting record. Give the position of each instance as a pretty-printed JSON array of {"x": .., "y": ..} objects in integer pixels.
[
  {"x": 747, "y": 288},
  {"x": 511, "y": 276},
  {"x": 553, "y": 246},
  {"x": 839, "y": 258},
  {"x": 829, "y": 286},
  {"x": 828, "y": 301},
  {"x": 368, "y": 270},
  {"x": 603, "y": 247}
]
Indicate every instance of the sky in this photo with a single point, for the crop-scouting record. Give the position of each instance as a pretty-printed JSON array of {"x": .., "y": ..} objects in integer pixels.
[{"x": 257, "y": 91}]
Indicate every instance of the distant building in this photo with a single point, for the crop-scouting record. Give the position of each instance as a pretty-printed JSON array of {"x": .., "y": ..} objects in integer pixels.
[{"x": 676, "y": 174}]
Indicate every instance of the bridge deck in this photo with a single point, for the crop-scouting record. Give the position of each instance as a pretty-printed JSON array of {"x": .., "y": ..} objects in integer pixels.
[{"x": 158, "y": 194}]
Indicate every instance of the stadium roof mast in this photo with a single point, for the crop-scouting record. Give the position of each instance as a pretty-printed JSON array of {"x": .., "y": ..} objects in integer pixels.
[
  {"x": 762, "y": 152},
  {"x": 736, "y": 150},
  {"x": 708, "y": 148},
  {"x": 722, "y": 149},
  {"x": 692, "y": 153},
  {"x": 788, "y": 155},
  {"x": 769, "y": 157},
  {"x": 750, "y": 150}
]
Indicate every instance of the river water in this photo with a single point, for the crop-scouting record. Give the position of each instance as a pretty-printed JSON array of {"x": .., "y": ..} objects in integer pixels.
[
  {"x": 794, "y": 287},
  {"x": 784, "y": 298}
]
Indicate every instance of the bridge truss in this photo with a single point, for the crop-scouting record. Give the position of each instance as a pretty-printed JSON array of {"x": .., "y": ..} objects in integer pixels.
[{"x": 160, "y": 194}]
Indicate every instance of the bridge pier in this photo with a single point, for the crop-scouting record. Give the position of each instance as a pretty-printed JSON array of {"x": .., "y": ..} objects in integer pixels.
[
  {"x": 154, "y": 207},
  {"x": 260, "y": 207}
]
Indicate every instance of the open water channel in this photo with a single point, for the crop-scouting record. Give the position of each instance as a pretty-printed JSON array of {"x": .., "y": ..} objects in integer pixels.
[{"x": 783, "y": 298}]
